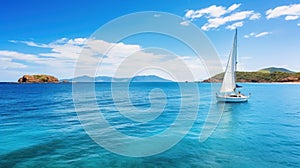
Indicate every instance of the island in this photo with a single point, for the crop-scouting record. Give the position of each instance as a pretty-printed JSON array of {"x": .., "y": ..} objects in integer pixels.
[
  {"x": 38, "y": 79},
  {"x": 267, "y": 75}
]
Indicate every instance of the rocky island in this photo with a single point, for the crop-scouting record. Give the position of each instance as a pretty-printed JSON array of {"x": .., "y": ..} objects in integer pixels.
[{"x": 38, "y": 79}]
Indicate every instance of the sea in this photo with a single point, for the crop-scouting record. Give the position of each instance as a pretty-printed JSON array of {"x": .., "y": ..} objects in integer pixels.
[{"x": 147, "y": 125}]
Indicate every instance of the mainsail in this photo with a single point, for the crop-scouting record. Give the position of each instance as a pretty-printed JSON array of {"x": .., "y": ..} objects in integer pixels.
[{"x": 229, "y": 84}]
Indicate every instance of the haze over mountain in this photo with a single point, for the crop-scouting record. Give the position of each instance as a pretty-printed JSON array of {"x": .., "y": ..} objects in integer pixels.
[
  {"x": 143, "y": 78},
  {"x": 274, "y": 69}
]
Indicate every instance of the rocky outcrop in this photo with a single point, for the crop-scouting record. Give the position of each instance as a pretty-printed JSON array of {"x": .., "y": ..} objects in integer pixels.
[
  {"x": 38, "y": 79},
  {"x": 289, "y": 79}
]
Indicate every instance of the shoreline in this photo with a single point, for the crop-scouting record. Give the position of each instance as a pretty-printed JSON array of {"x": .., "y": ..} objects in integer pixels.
[
  {"x": 260, "y": 82},
  {"x": 148, "y": 82}
]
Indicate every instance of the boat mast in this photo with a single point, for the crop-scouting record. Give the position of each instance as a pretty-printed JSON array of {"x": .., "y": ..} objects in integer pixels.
[{"x": 235, "y": 54}]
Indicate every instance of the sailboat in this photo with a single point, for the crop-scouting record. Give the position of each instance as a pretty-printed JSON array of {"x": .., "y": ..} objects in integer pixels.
[{"x": 228, "y": 92}]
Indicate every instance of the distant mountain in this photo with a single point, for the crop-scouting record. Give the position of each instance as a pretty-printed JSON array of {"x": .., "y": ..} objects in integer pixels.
[
  {"x": 81, "y": 79},
  {"x": 274, "y": 69},
  {"x": 103, "y": 79},
  {"x": 148, "y": 78},
  {"x": 266, "y": 75},
  {"x": 86, "y": 78}
]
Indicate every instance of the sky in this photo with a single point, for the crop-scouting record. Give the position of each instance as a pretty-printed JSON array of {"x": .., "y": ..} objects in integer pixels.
[{"x": 48, "y": 37}]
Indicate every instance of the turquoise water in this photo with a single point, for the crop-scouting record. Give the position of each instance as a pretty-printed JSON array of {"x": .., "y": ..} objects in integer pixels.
[{"x": 40, "y": 128}]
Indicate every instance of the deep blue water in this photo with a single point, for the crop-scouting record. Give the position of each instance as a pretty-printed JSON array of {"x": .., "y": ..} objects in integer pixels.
[{"x": 39, "y": 126}]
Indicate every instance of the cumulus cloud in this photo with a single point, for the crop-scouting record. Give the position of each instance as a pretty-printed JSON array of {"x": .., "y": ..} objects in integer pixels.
[
  {"x": 291, "y": 17},
  {"x": 217, "y": 22},
  {"x": 298, "y": 24},
  {"x": 216, "y": 16},
  {"x": 286, "y": 10},
  {"x": 256, "y": 34},
  {"x": 211, "y": 11}
]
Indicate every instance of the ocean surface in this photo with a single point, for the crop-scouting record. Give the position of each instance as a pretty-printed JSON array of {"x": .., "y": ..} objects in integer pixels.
[{"x": 39, "y": 126}]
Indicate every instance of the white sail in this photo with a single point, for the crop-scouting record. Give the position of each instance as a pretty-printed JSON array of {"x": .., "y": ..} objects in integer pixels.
[{"x": 229, "y": 84}]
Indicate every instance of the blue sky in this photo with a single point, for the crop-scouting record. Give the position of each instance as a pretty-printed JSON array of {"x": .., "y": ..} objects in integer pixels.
[{"x": 46, "y": 37}]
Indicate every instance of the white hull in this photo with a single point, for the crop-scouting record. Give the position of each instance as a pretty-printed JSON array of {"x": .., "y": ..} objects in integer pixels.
[{"x": 232, "y": 99}]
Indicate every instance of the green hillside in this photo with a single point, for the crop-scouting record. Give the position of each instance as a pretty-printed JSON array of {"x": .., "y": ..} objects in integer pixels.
[{"x": 264, "y": 76}]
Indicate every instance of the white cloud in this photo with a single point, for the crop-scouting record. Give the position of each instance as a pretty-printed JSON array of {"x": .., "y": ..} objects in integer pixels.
[
  {"x": 185, "y": 23},
  {"x": 59, "y": 61},
  {"x": 256, "y": 34},
  {"x": 30, "y": 63},
  {"x": 189, "y": 14},
  {"x": 291, "y": 17},
  {"x": 288, "y": 10},
  {"x": 298, "y": 24},
  {"x": 216, "y": 16},
  {"x": 262, "y": 34},
  {"x": 217, "y": 22},
  {"x": 77, "y": 41},
  {"x": 255, "y": 16},
  {"x": 235, "y": 25},
  {"x": 68, "y": 50},
  {"x": 211, "y": 11},
  {"x": 233, "y": 7},
  {"x": 8, "y": 63},
  {"x": 17, "y": 56}
]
